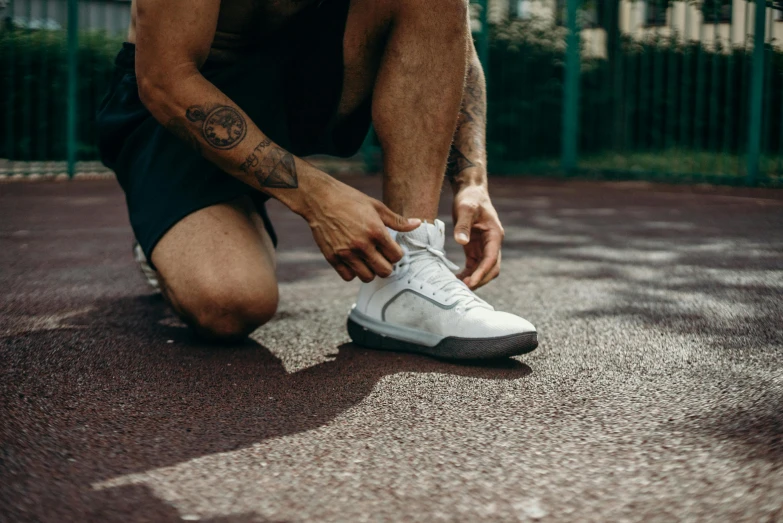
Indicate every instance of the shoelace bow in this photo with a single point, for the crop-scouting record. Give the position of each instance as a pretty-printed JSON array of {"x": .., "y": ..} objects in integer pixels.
[{"x": 427, "y": 266}]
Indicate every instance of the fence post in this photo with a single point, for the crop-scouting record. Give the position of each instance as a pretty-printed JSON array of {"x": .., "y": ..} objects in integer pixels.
[
  {"x": 73, "y": 48},
  {"x": 756, "y": 101},
  {"x": 570, "y": 130}
]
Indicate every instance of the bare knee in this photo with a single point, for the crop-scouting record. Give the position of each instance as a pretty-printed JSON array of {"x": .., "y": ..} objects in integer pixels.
[{"x": 226, "y": 310}]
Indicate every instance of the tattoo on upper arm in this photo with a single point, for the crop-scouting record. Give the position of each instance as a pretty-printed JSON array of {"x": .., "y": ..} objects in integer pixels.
[
  {"x": 181, "y": 131},
  {"x": 457, "y": 163},
  {"x": 222, "y": 126},
  {"x": 276, "y": 169}
]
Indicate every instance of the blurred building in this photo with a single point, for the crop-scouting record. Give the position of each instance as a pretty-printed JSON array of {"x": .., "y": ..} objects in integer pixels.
[
  {"x": 723, "y": 22},
  {"x": 729, "y": 22},
  {"x": 112, "y": 16}
]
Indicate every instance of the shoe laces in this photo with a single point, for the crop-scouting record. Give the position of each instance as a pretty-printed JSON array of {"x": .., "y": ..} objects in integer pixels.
[{"x": 431, "y": 265}]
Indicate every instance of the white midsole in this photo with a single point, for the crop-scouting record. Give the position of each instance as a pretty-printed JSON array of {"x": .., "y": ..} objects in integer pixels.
[{"x": 396, "y": 332}]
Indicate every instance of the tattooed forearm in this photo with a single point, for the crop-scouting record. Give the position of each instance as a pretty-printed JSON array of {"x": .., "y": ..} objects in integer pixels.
[
  {"x": 457, "y": 163},
  {"x": 468, "y": 148},
  {"x": 275, "y": 169},
  {"x": 252, "y": 160},
  {"x": 464, "y": 116},
  {"x": 474, "y": 103},
  {"x": 181, "y": 131},
  {"x": 222, "y": 126}
]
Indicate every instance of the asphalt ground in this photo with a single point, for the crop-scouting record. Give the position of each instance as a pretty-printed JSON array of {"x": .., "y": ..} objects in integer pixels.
[{"x": 656, "y": 393}]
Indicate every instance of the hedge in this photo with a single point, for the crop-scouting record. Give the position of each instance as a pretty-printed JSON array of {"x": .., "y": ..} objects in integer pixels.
[
  {"x": 33, "y": 92},
  {"x": 666, "y": 94},
  {"x": 669, "y": 94}
]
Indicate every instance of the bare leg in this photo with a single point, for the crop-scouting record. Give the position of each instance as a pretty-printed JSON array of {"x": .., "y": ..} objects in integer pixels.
[
  {"x": 416, "y": 53},
  {"x": 217, "y": 270}
]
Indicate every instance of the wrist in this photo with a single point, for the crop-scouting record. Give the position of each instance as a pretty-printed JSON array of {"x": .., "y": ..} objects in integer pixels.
[
  {"x": 310, "y": 182},
  {"x": 475, "y": 176},
  {"x": 314, "y": 190}
]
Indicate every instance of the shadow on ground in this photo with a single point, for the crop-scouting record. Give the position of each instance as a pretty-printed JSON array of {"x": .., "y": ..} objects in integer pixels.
[
  {"x": 97, "y": 381},
  {"x": 152, "y": 395}
]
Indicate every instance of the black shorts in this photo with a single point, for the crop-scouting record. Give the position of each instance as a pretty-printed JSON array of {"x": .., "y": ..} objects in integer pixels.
[{"x": 290, "y": 88}]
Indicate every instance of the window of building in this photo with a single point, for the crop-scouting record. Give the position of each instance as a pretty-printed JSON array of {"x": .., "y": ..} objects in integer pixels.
[
  {"x": 716, "y": 11},
  {"x": 520, "y": 9},
  {"x": 655, "y": 14},
  {"x": 778, "y": 14}
]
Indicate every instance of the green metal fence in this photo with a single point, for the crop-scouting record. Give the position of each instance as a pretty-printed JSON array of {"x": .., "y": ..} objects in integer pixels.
[
  {"x": 56, "y": 57},
  {"x": 670, "y": 90},
  {"x": 687, "y": 90}
]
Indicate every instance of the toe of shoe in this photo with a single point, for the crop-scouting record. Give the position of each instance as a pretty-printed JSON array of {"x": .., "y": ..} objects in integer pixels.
[
  {"x": 496, "y": 323},
  {"x": 517, "y": 324}
]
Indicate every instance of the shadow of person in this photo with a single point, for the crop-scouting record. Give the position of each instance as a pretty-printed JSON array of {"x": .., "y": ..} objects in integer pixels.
[
  {"x": 147, "y": 394},
  {"x": 238, "y": 396}
]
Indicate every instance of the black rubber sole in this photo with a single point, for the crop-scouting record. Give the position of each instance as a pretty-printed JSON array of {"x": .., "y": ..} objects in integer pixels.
[{"x": 449, "y": 348}]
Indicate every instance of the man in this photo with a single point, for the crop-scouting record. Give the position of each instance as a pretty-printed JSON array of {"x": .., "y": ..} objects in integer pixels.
[{"x": 214, "y": 104}]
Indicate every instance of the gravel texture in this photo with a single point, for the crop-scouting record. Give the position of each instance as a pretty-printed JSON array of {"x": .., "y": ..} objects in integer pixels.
[{"x": 656, "y": 393}]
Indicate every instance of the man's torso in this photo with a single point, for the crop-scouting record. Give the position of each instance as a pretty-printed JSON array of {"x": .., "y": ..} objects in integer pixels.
[{"x": 243, "y": 24}]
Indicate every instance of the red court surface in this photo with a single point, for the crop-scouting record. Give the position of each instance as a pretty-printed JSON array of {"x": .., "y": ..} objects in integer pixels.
[{"x": 656, "y": 391}]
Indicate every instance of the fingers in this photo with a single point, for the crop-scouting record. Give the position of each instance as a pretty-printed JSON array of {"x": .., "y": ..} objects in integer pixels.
[
  {"x": 466, "y": 214},
  {"x": 388, "y": 248},
  {"x": 471, "y": 263},
  {"x": 344, "y": 272},
  {"x": 491, "y": 275},
  {"x": 395, "y": 221},
  {"x": 489, "y": 262},
  {"x": 359, "y": 268},
  {"x": 364, "y": 255},
  {"x": 377, "y": 263}
]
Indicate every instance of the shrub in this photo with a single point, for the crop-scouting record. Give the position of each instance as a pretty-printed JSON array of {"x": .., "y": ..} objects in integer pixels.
[
  {"x": 656, "y": 95},
  {"x": 33, "y": 91},
  {"x": 665, "y": 94}
]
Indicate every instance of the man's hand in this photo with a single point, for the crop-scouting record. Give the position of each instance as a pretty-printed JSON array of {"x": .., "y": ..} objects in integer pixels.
[
  {"x": 477, "y": 227},
  {"x": 350, "y": 229}
]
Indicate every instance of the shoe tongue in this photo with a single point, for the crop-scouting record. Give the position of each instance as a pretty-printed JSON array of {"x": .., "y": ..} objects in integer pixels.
[{"x": 432, "y": 234}]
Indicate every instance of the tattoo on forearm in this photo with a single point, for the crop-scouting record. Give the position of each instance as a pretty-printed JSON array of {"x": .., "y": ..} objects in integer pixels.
[
  {"x": 251, "y": 162},
  {"x": 457, "y": 163},
  {"x": 222, "y": 126},
  {"x": 474, "y": 102},
  {"x": 464, "y": 116},
  {"x": 276, "y": 169},
  {"x": 181, "y": 131},
  {"x": 470, "y": 139}
]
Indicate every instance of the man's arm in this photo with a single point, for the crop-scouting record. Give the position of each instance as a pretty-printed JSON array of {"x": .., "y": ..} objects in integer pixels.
[
  {"x": 173, "y": 39},
  {"x": 476, "y": 223},
  {"x": 467, "y": 163}
]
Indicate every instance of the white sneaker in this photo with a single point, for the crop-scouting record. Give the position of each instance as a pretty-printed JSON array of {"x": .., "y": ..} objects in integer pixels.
[
  {"x": 149, "y": 273},
  {"x": 423, "y": 307}
]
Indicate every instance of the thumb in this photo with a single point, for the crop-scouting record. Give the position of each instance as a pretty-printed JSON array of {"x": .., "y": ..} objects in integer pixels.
[
  {"x": 462, "y": 228},
  {"x": 395, "y": 221}
]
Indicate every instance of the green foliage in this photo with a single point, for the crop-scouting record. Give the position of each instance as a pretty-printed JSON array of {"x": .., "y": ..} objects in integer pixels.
[
  {"x": 656, "y": 95},
  {"x": 33, "y": 91}
]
